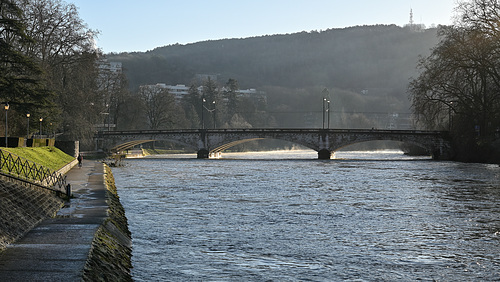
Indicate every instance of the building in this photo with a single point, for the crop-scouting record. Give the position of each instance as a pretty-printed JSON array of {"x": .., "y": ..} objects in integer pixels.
[
  {"x": 113, "y": 67},
  {"x": 180, "y": 90}
]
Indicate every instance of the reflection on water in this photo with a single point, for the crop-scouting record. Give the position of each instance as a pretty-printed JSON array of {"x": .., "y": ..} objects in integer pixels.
[{"x": 286, "y": 216}]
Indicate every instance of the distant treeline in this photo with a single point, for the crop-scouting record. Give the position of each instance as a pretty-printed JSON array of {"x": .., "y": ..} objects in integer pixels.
[{"x": 355, "y": 58}]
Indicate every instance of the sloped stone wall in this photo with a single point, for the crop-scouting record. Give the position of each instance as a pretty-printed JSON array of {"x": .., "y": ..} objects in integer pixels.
[
  {"x": 111, "y": 252},
  {"x": 22, "y": 208}
]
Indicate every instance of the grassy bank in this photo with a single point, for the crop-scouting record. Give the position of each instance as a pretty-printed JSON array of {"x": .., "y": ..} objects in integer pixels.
[{"x": 49, "y": 157}]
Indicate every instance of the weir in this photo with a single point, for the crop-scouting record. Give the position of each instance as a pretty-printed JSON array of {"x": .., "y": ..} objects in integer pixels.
[{"x": 211, "y": 142}]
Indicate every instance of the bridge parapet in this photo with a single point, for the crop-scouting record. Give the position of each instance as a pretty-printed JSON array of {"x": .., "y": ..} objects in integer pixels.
[{"x": 325, "y": 141}]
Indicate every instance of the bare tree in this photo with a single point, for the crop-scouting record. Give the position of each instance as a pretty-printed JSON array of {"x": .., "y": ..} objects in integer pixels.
[
  {"x": 458, "y": 79},
  {"x": 159, "y": 106},
  {"x": 64, "y": 48},
  {"x": 483, "y": 15},
  {"x": 60, "y": 34}
]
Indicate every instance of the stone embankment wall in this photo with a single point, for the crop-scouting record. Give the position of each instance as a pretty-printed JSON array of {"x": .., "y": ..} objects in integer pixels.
[
  {"x": 111, "y": 252},
  {"x": 22, "y": 208}
]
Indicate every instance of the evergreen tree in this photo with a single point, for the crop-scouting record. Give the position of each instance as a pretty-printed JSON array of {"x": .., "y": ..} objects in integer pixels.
[
  {"x": 232, "y": 99},
  {"x": 21, "y": 83}
]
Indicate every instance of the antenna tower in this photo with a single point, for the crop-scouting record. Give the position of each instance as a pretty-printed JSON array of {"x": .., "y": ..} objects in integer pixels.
[{"x": 411, "y": 17}]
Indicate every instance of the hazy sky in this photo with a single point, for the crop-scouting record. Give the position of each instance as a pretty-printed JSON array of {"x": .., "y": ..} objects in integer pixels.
[{"x": 133, "y": 25}]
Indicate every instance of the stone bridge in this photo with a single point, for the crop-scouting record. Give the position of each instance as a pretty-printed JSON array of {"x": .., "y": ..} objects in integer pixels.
[{"x": 211, "y": 142}]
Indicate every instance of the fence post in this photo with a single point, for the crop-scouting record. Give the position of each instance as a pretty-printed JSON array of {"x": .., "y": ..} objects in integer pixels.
[{"x": 68, "y": 191}]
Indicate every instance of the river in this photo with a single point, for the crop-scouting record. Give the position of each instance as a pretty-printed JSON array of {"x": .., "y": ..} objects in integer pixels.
[{"x": 286, "y": 216}]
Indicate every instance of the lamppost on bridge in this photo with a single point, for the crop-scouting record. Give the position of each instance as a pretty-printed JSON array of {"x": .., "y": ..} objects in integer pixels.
[
  {"x": 28, "y": 126},
  {"x": 203, "y": 108},
  {"x": 325, "y": 100},
  {"x": 202, "y": 115},
  {"x": 6, "y": 107},
  {"x": 214, "y": 113},
  {"x": 328, "y": 110},
  {"x": 323, "y": 111}
]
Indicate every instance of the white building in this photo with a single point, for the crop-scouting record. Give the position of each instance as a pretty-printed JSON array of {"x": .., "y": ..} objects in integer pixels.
[
  {"x": 180, "y": 90},
  {"x": 114, "y": 67}
]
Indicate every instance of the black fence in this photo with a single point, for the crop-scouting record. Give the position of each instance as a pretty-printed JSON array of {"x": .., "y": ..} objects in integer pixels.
[{"x": 31, "y": 172}]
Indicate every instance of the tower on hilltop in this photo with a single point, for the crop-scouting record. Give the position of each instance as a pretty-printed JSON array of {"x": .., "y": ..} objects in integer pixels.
[
  {"x": 412, "y": 26},
  {"x": 411, "y": 17}
]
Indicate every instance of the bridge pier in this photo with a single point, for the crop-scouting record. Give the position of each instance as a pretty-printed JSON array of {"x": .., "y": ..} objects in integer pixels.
[
  {"x": 203, "y": 154},
  {"x": 325, "y": 154}
]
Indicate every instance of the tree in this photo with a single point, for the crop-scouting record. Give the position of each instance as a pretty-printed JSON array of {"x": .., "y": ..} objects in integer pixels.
[
  {"x": 59, "y": 34},
  {"x": 459, "y": 84},
  {"x": 21, "y": 82},
  {"x": 159, "y": 106},
  {"x": 63, "y": 46},
  {"x": 112, "y": 85},
  {"x": 81, "y": 109},
  {"x": 481, "y": 15},
  {"x": 191, "y": 104},
  {"x": 232, "y": 98}
]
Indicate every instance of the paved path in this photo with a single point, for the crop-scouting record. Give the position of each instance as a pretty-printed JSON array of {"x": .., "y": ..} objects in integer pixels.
[{"x": 57, "y": 249}]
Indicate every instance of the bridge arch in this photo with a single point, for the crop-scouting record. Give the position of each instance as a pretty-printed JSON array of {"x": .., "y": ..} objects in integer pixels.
[
  {"x": 436, "y": 147},
  {"x": 127, "y": 145},
  {"x": 220, "y": 147}
]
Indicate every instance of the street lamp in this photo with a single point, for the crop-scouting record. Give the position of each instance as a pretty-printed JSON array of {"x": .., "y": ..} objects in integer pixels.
[
  {"x": 109, "y": 114},
  {"x": 202, "y": 119},
  {"x": 28, "y": 127},
  {"x": 41, "y": 119},
  {"x": 449, "y": 116},
  {"x": 324, "y": 100},
  {"x": 328, "y": 110},
  {"x": 326, "y": 94},
  {"x": 6, "y": 107},
  {"x": 214, "y": 112}
]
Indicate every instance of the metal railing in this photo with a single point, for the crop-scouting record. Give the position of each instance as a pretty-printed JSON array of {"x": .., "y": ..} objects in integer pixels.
[{"x": 19, "y": 167}]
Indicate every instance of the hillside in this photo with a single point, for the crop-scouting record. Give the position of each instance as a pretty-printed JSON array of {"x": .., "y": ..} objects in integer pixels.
[
  {"x": 367, "y": 67},
  {"x": 350, "y": 58}
]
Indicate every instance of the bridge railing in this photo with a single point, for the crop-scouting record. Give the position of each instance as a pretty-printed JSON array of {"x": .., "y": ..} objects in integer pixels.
[
  {"x": 29, "y": 171},
  {"x": 246, "y": 130}
]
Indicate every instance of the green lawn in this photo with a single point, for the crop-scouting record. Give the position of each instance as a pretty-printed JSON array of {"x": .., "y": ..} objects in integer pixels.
[{"x": 49, "y": 157}]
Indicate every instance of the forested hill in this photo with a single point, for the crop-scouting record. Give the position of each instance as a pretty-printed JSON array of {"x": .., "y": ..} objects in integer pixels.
[{"x": 379, "y": 57}]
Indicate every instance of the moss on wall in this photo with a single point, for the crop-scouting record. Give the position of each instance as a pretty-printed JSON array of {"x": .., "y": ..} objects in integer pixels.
[{"x": 111, "y": 252}]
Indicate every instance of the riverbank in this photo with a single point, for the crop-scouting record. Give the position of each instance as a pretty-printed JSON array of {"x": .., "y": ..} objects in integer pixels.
[
  {"x": 110, "y": 255},
  {"x": 87, "y": 240}
]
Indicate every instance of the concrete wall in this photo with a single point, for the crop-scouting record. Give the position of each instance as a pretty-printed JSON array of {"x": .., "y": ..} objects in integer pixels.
[{"x": 71, "y": 148}]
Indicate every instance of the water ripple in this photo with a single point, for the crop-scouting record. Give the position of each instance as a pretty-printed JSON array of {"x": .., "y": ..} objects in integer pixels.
[{"x": 307, "y": 220}]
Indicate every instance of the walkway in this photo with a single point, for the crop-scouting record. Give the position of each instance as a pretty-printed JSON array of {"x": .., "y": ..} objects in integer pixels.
[{"x": 57, "y": 249}]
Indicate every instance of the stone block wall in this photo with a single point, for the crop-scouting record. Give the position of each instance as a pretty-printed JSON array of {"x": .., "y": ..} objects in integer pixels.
[
  {"x": 22, "y": 208},
  {"x": 71, "y": 148}
]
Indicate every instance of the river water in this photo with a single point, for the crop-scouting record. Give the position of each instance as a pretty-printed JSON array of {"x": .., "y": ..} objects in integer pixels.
[{"x": 286, "y": 216}]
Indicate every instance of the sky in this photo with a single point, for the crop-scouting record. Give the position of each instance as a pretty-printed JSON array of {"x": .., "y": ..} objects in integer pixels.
[{"x": 142, "y": 25}]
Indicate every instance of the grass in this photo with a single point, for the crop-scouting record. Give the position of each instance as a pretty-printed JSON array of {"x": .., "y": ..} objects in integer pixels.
[{"x": 49, "y": 157}]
